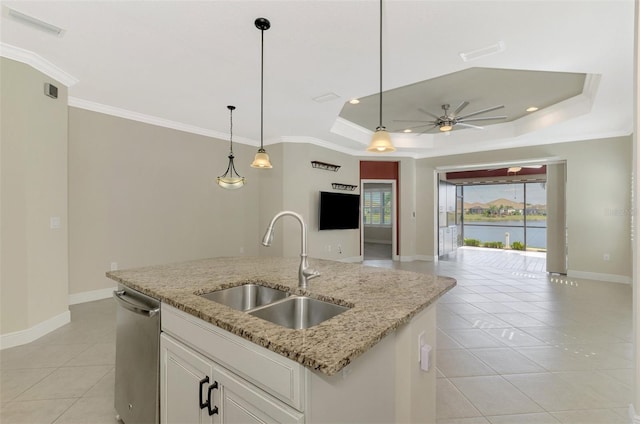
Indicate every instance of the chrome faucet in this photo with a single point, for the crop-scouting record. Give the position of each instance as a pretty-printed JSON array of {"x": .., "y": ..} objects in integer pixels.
[{"x": 304, "y": 272}]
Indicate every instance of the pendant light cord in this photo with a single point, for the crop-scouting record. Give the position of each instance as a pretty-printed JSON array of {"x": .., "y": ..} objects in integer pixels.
[
  {"x": 261, "y": 87},
  {"x": 381, "y": 64},
  {"x": 231, "y": 130}
]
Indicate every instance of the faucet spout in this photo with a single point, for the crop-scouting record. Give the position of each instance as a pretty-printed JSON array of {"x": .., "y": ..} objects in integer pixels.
[{"x": 304, "y": 272}]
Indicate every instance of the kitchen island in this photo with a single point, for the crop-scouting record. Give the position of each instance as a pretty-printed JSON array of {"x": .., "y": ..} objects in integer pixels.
[{"x": 372, "y": 348}]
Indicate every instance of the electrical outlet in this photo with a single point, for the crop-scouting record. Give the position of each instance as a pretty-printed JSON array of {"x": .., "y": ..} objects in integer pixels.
[
  {"x": 422, "y": 340},
  {"x": 114, "y": 266},
  {"x": 54, "y": 222}
]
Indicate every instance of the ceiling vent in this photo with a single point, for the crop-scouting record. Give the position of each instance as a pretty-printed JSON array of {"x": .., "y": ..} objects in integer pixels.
[
  {"x": 32, "y": 22},
  {"x": 492, "y": 49}
]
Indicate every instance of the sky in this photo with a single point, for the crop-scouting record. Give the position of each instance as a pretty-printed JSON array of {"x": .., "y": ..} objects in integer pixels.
[{"x": 536, "y": 193}]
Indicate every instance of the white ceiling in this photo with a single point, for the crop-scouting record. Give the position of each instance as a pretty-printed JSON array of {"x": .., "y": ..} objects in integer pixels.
[{"x": 180, "y": 63}]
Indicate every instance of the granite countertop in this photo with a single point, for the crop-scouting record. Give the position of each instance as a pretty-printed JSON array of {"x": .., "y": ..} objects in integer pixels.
[{"x": 381, "y": 300}]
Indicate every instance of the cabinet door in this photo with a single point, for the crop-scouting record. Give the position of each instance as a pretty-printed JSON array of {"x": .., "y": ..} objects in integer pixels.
[
  {"x": 240, "y": 402},
  {"x": 184, "y": 382}
]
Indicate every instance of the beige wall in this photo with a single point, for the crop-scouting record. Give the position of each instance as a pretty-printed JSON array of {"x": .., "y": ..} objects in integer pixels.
[
  {"x": 34, "y": 257},
  {"x": 598, "y": 200},
  {"x": 142, "y": 195},
  {"x": 299, "y": 191}
]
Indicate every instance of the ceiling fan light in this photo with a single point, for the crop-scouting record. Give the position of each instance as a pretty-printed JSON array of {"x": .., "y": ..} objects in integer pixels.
[
  {"x": 446, "y": 127},
  {"x": 261, "y": 160},
  {"x": 381, "y": 142}
]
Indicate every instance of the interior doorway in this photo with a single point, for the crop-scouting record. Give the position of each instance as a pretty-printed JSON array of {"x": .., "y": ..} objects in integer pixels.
[{"x": 378, "y": 218}]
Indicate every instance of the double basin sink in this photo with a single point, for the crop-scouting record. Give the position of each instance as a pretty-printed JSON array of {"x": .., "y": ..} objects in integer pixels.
[{"x": 276, "y": 306}]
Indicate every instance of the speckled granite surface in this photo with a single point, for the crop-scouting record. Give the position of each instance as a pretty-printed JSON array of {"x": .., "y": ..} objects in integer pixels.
[{"x": 381, "y": 300}]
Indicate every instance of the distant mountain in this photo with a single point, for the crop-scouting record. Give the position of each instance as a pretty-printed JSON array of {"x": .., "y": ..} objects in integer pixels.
[{"x": 502, "y": 202}]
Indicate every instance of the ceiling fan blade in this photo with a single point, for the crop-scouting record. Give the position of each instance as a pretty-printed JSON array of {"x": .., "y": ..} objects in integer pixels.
[
  {"x": 481, "y": 111},
  {"x": 428, "y": 129},
  {"x": 413, "y": 120},
  {"x": 428, "y": 113},
  {"x": 459, "y": 109},
  {"x": 410, "y": 128},
  {"x": 469, "y": 126},
  {"x": 480, "y": 119}
]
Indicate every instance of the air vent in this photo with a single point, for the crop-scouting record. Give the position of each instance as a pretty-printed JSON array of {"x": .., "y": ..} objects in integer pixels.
[
  {"x": 483, "y": 52},
  {"x": 32, "y": 22}
]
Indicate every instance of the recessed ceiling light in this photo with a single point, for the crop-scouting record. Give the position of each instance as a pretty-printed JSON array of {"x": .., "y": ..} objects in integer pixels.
[
  {"x": 354, "y": 101},
  {"x": 408, "y": 130},
  {"x": 531, "y": 109},
  {"x": 32, "y": 22}
]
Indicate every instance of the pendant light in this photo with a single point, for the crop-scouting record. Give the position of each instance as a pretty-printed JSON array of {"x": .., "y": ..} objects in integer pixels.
[
  {"x": 262, "y": 158},
  {"x": 381, "y": 140},
  {"x": 231, "y": 180}
]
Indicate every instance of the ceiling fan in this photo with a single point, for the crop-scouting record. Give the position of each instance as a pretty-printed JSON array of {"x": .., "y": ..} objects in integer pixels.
[{"x": 448, "y": 120}]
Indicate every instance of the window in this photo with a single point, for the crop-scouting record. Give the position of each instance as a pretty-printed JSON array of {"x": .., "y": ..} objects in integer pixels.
[{"x": 377, "y": 207}]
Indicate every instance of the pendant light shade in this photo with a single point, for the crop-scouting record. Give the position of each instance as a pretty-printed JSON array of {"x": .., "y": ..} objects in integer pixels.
[
  {"x": 231, "y": 180},
  {"x": 381, "y": 140},
  {"x": 261, "y": 160}
]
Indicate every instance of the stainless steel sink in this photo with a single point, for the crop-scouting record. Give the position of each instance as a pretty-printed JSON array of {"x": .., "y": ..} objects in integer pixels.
[
  {"x": 246, "y": 297},
  {"x": 298, "y": 312}
]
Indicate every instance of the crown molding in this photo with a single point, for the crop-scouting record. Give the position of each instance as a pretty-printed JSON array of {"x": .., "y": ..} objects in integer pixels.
[
  {"x": 153, "y": 120},
  {"x": 37, "y": 62}
]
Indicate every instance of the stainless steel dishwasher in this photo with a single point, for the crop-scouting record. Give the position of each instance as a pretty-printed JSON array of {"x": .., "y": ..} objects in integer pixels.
[{"x": 137, "y": 385}]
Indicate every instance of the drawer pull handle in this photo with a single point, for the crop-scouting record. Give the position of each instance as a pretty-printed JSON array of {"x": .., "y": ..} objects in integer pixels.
[
  {"x": 215, "y": 408},
  {"x": 204, "y": 404}
]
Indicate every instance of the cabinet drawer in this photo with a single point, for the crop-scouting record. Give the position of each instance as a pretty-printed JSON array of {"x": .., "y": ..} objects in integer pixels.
[{"x": 277, "y": 375}]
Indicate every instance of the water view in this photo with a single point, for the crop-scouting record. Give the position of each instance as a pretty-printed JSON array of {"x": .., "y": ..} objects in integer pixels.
[
  {"x": 490, "y": 211},
  {"x": 486, "y": 231}
]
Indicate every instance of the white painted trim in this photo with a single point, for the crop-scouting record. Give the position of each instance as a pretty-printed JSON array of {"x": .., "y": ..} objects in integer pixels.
[
  {"x": 613, "y": 278},
  {"x": 153, "y": 120},
  {"x": 353, "y": 259},
  {"x": 633, "y": 418},
  {"x": 409, "y": 258},
  {"x": 37, "y": 62},
  {"x": 374, "y": 241},
  {"x": 394, "y": 212},
  {"x": 426, "y": 258},
  {"x": 90, "y": 296},
  {"x": 21, "y": 337}
]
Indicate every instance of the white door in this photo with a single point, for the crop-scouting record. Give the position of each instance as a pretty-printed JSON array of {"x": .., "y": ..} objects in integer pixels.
[
  {"x": 241, "y": 402},
  {"x": 185, "y": 381}
]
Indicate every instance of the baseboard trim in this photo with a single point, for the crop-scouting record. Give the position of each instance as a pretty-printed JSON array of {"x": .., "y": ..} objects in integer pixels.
[
  {"x": 376, "y": 241},
  {"x": 633, "y": 418},
  {"x": 353, "y": 259},
  {"x": 90, "y": 296},
  {"x": 21, "y": 337},
  {"x": 612, "y": 278},
  {"x": 426, "y": 258}
]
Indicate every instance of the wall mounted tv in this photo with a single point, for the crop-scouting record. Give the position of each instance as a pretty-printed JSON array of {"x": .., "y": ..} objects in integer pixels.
[{"x": 339, "y": 211}]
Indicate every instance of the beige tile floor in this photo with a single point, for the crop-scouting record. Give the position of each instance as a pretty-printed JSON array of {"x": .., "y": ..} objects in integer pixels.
[{"x": 514, "y": 346}]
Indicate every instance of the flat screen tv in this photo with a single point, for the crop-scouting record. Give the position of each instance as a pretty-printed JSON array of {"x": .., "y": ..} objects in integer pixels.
[{"x": 339, "y": 211}]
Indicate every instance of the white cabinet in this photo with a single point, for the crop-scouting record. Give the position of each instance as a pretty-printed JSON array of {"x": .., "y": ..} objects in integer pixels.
[
  {"x": 195, "y": 389},
  {"x": 251, "y": 384},
  {"x": 241, "y": 402},
  {"x": 184, "y": 383}
]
